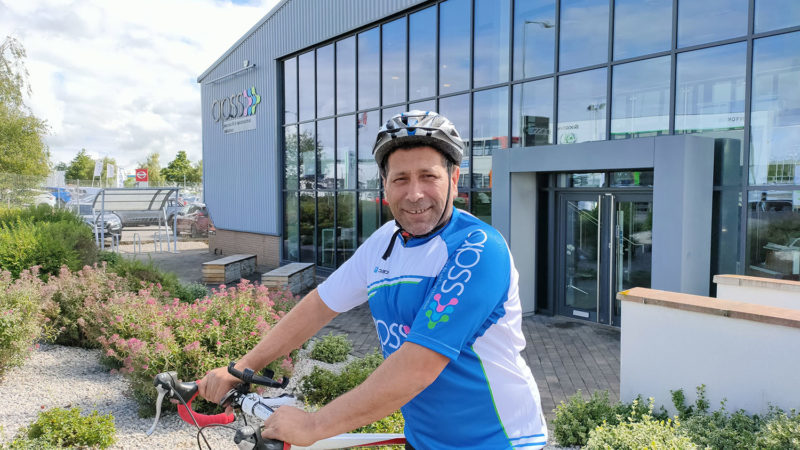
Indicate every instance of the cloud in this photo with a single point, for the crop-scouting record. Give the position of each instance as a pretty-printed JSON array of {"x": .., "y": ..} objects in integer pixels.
[{"x": 119, "y": 78}]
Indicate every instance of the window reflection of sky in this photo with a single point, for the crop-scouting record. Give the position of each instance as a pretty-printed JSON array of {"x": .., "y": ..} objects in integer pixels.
[
  {"x": 640, "y": 97},
  {"x": 394, "y": 61},
  {"x": 490, "y": 132},
  {"x": 775, "y": 14},
  {"x": 346, "y": 75},
  {"x": 582, "y": 107},
  {"x": 368, "y": 124},
  {"x": 454, "y": 44},
  {"x": 290, "y": 90},
  {"x": 534, "y": 38},
  {"x": 583, "y": 33},
  {"x": 491, "y": 41},
  {"x": 306, "y": 86},
  {"x": 325, "y": 80},
  {"x": 775, "y": 117},
  {"x": 422, "y": 54},
  {"x": 631, "y": 38},
  {"x": 368, "y": 68},
  {"x": 345, "y": 152},
  {"x": 533, "y": 100},
  {"x": 456, "y": 108},
  {"x": 700, "y": 22}
]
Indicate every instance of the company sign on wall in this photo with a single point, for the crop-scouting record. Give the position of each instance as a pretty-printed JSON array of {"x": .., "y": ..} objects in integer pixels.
[{"x": 236, "y": 112}]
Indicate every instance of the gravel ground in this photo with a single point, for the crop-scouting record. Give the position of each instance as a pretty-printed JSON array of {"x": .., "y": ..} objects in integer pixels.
[{"x": 56, "y": 376}]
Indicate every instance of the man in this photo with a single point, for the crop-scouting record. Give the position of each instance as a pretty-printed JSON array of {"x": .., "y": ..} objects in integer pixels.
[{"x": 442, "y": 289}]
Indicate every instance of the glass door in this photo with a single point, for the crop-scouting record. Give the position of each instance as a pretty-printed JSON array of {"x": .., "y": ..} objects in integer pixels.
[{"x": 605, "y": 242}]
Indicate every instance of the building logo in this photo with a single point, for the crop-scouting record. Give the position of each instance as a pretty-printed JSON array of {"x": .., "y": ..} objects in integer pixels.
[
  {"x": 240, "y": 104},
  {"x": 141, "y": 174}
]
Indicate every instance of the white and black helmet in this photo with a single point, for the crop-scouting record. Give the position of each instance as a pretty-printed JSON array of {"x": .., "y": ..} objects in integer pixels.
[{"x": 419, "y": 127}]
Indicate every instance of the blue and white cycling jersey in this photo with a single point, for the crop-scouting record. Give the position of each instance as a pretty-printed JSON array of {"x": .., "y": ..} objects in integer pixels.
[{"x": 454, "y": 292}]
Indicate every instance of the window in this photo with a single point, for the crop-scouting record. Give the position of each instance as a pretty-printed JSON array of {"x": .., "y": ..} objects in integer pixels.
[
  {"x": 582, "y": 107},
  {"x": 640, "y": 98},
  {"x": 368, "y": 68},
  {"x": 454, "y": 42},
  {"x": 534, "y": 38},
  {"x": 532, "y": 113},
  {"x": 346, "y": 75},
  {"x": 394, "y": 61},
  {"x": 632, "y": 37},
  {"x": 422, "y": 54},
  {"x": 583, "y": 33},
  {"x": 705, "y": 21},
  {"x": 491, "y": 41}
]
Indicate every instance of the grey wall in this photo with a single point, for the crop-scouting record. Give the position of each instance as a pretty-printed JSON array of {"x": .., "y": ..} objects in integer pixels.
[
  {"x": 242, "y": 170},
  {"x": 682, "y": 196}
]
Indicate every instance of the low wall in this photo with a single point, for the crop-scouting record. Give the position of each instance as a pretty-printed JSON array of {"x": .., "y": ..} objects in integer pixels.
[
  {"x": 761, "y": 291},
  {"x": 265, "y": 247},
  {"x": 745, "y": 353}
]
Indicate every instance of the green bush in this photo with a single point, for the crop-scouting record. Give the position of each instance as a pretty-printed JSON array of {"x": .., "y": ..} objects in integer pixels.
[
  {"x": 321, "y": 385},
  {"x": 780, "y": 431},
  {"x": 67, "y": 428},
  {"x": 332, "y": 348},
  {"x": 576, "y": 418},
  {"x": 639, "y": 433},
  {"x": 20, "y": 322}
]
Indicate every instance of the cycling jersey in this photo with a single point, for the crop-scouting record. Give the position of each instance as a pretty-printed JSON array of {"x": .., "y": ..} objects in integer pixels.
[{"x": 454, "y": 292}]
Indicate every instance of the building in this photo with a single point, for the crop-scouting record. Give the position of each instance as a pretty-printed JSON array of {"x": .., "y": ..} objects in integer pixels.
[{"x": 615, "y": 143}]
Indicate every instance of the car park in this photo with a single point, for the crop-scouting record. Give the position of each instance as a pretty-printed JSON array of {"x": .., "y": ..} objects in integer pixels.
[{"x": 194, "y": 220}]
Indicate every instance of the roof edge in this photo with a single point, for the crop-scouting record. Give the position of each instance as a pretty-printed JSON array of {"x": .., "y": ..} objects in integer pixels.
[{"x": 239, "y": 42}]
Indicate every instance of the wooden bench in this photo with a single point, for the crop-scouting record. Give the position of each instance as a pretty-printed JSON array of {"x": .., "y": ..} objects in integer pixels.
[
  {"x": 228, "y": 269},
  {"x": 297, "y": 277}
]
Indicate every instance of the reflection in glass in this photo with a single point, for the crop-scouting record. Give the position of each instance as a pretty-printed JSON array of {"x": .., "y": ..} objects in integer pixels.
[
  {"x": 775, "y": 14},
  {"x": 326, "y": 157},
  {"x": 368, "y": 68},
  {"x": 291, "y": 230},
  {"x": 725, "y": 220},
  {"x": 394, "y": 61},
  {"x": 306, "y": 86},
  {"x": 388, "y": 113},
  {"x": 534, "y": 38},
  {"x": 590, "y": 179},
  {"x": 307, "y": 235},
  {"x": 631, "y": 179},
  {"x": 631, "y": 37},
  {"x": 290, "y": 161},
  {"x": 532, "y": 113},
  {"x": 727, "y": 157},
  {"x": 583, "y": 34},
  {"x": 422, "y": 54},
  {"x": 710, "y": 20},
  {"x": 290, "y": 90},
  {"x": 325, "y": 234},
  {"x": 581, "y": 255},
  {"x": 325, "y": 81},
  {"x": 386, "y": 213},
  {"x": 491, "y": 41},
  {"x": 633, "y": 246},
  {"x": 775, "y": 113},
  {"x": 710, "y": 89},
  {"x": 454, "y": 45},
  {"x": 482, "y": 206},
  {"x": 427, "y": 105},
  {"x": 369, "y": 215},
  {"x": 456, "y": 109},
  {"x": 346, "y": 152},
  {"x": 368, "y": 126},
  {"x": 490, "y": 132},
  {"x": 462, "y": 201},
  {"x": 640, "y": 98},
  {"x": 773, "y": 234},
  {"x": 346, "y": 75},
  {"x": 345, "y": 226},
  {"x": 582, "y": 107},
  {"x": 308, "y": 156}
]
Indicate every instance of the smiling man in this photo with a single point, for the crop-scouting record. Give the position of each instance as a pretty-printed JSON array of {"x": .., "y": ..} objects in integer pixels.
[{"x": 442, "y": 289}]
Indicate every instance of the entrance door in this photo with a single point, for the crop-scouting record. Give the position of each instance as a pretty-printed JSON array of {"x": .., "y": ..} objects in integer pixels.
[{"x": 605, "y": 243}]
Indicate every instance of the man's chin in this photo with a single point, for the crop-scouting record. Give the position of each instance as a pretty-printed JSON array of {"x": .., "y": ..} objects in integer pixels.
[{"x": 416, "y": 228}]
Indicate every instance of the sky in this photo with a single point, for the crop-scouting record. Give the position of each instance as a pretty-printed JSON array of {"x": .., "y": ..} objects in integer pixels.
[{"x": 119, "y": 77}]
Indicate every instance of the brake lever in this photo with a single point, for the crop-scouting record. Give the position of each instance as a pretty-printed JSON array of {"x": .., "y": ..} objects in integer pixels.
[{"x": 161, "y": 393}]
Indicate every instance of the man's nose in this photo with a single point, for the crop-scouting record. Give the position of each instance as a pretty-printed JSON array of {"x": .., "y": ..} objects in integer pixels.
[{"x": 415, "y": 191}]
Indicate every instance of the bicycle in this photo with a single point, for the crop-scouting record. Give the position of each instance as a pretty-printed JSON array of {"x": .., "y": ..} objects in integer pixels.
[{"x": 251, "y": 404}]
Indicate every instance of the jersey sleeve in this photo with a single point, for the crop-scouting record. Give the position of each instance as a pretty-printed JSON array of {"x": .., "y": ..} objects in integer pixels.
[
  {"x": 346, "y": 287},
  {"x": 467, "y": 297}
]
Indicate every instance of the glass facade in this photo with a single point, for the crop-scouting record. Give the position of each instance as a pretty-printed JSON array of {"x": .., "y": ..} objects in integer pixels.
[{"x": 514, "y": 73}]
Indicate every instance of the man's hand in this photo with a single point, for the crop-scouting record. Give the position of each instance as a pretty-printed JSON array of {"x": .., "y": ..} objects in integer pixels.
[
  {"x": 292, "y": 425},
  {"x": 216, "y": 384}
]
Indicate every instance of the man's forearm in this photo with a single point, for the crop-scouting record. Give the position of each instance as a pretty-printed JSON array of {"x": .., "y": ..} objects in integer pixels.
[
  {"x": 299, "y": 325},
  {"x": 406, "y": 373}
]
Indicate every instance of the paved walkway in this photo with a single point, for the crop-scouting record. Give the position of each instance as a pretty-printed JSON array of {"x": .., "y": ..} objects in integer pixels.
[{"x": 565, "y": 355}]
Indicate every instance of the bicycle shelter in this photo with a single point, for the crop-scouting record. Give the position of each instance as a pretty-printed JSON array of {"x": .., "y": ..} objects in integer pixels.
[{"x": 139, "y": 199}]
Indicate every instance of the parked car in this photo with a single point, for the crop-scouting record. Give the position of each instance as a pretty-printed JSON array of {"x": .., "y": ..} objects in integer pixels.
[
  {"x": 195, "y": 221},
  {"x": 111, "y": 222}
]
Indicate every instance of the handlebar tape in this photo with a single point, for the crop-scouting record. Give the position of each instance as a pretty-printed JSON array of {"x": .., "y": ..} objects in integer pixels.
[{"x": 202, "y": 419}]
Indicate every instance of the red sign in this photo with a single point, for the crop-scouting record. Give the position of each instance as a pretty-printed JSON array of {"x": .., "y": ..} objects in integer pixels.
[{"x": 141, "y": 174}]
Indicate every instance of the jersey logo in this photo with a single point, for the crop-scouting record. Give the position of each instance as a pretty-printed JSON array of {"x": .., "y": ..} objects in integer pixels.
[
  {"x": 379, "y": 270},
  {"x": 455, "y": 278}
]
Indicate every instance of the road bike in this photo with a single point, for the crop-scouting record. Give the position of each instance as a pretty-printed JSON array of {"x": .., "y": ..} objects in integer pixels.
[{"x": 248, "y": 437}]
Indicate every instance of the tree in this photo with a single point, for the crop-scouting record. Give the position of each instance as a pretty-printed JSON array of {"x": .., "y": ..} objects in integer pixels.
[
  {"x": 22, "y": 147},
  {"x": 153, "y": 166},
  {"x": 106, "y": 162},
  {"x": 180, "y": 170},
  {"x": 81, "y": 167},
  {"x": 62, "y": 166}
]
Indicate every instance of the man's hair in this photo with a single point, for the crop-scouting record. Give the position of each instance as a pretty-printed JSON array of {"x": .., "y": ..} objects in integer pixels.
[{"x": 384, "y": 168}]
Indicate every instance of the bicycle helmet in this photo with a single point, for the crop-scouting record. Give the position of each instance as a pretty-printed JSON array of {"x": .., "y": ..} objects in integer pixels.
[{"x": 419, "y": 127}]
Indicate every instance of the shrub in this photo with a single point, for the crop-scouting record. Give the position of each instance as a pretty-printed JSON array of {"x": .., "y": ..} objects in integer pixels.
[
  {"x": 576, "y": 418},
  {"x": 143, "y": 336},
  {"x": 19, "y": 317},
  {"x": 718, "y": 429},
  {"x": 780, "y": 431},
  {"x": 332, "y": 348},
  {"x": 67, "y": 428},
  {"x": 639, "y": 433},
  {"x": 18, "y": 246},
  {"x": 321, "y": 385}
]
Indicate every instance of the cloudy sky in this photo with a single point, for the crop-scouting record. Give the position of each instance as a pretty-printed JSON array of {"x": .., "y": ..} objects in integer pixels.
[{"x": 119, "y": 78}]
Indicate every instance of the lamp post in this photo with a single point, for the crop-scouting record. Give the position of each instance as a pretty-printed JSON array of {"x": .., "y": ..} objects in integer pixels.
[
  {"x": 544, "y": 24},
  {"x": 595, "y": 108}
]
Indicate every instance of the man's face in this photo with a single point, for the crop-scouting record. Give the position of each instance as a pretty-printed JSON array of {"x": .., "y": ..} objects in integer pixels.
[{"x": 416, "y": 188}]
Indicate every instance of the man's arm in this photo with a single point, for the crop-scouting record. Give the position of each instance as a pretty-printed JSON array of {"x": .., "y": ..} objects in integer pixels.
[
  {"x": 406, "y": 373},
  {"x": 299, "y": 325}
]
